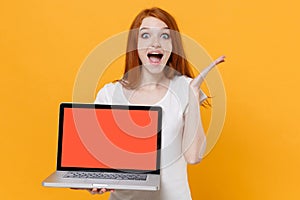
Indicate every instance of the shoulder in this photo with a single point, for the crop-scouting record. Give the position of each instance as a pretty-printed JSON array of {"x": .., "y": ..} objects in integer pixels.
[
  {"x": 106, "y": 92},
  {"x": 179, "y": 88},
  {"x": 182, "y": 80},
  {"x": 110, "y": 86}
]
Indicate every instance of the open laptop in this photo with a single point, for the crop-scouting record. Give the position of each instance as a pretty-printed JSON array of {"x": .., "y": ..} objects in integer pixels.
[{"x": 108, "y": 146}]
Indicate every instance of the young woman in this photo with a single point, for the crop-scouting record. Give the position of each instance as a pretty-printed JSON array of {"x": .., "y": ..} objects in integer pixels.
[{"x": 157, "y": 73}]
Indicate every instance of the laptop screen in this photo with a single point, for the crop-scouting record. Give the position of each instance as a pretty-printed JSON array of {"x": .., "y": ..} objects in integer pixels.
[{"x": 109, "y": 137}]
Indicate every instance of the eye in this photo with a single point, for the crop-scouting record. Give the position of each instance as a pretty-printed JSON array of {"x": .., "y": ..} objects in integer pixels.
[
  {"x": 145, "y": 35},
  {"x": 165, "y": 36}
]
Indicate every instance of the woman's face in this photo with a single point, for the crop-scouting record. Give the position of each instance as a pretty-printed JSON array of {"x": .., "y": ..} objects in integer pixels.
[{"x": 154, "y": 44}]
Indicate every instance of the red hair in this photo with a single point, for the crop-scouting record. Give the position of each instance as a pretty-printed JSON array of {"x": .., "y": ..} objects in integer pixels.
[{"x": 177, "y": 62}]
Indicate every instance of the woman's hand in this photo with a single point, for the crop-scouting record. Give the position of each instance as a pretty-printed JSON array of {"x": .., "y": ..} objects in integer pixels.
[
  {"x": 95, "y": 190},
  {"x": 196, "y": 82},
  {"x": 99, "y": 190}
]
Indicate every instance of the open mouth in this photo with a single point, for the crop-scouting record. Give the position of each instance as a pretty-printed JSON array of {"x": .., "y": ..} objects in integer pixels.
[{"x": 155, "y": 57}]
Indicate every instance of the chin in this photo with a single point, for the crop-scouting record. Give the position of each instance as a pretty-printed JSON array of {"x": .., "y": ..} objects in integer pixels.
[{"x": 154, "y": 69}]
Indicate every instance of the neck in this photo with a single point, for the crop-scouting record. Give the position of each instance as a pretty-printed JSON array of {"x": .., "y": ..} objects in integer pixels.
[{"x": 152, "y": 80}]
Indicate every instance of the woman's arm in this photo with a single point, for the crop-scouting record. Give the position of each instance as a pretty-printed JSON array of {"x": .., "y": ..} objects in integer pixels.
[{"x": 194, "y": 139}]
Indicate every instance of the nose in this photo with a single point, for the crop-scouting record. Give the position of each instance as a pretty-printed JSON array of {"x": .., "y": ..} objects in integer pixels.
[{"x": 156, "y": 43}]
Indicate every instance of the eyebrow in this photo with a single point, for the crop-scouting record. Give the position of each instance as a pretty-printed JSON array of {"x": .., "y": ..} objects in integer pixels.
[{"x": 145, "y": 28}]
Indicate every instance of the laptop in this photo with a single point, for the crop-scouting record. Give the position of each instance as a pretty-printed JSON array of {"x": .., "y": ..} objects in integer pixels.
[{"x": 108, "y": 146}]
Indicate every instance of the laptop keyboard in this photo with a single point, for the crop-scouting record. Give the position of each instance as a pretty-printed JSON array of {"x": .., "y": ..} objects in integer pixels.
[{"x": 99, "y": 175}]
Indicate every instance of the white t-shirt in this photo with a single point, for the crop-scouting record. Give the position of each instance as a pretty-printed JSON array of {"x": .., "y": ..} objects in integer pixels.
[{"x": 174, "y": 181}]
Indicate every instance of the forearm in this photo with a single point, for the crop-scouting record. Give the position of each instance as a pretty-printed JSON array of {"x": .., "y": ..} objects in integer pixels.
[{"x": 194, "y": 140}]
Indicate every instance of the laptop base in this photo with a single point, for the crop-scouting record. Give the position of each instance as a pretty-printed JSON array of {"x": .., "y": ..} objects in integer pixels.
[{"x": 56, "y": 180}]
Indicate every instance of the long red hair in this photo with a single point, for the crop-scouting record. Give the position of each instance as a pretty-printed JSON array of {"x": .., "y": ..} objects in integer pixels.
[{"x": 177, "y": 64}]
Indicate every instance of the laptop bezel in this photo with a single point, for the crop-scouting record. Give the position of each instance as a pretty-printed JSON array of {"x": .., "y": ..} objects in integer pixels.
[{"x": 59, "y": 167}]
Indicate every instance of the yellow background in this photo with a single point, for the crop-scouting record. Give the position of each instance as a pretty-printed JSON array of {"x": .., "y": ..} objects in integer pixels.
[{"x": 43, "y": 44}]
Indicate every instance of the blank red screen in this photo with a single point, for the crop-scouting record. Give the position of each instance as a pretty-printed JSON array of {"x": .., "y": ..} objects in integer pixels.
[{"x": 109, "y": 138}]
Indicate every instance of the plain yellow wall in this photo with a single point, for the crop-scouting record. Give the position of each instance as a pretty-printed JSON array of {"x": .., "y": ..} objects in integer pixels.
[{"x": 43, "y": 44}]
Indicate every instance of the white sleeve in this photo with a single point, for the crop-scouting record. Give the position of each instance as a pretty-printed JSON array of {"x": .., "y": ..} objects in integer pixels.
[{"x": 202, "y": 95}]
